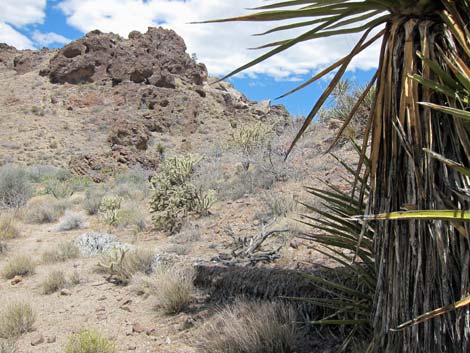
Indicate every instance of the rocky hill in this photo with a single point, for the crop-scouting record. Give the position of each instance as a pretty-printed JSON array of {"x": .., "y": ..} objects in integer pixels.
[
  {"x": 111, "y": 111},
  {"x": 103, "y": 101}
]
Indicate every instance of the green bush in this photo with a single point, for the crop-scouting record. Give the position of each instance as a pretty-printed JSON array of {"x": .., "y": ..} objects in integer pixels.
[
  {"x": 89, "y": 341},
  {"x": 174, "y": 195},
  {"x": 15, "y": 188},
  {"x": 109, "y": 209},
  {"x": 92, "y": 202},
  {"x": 15, "y": 319}
]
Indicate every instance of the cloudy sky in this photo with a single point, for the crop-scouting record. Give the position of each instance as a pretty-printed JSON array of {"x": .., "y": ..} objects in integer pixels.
[{"x": 30, "y": 24}]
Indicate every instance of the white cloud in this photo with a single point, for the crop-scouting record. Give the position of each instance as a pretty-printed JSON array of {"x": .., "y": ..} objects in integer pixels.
[
  {"x": 22, "y": 12},
  {"x": 46, "y": 39},
  {"x": 223, "y": 47},
  {"x": 12, "y": 37}
]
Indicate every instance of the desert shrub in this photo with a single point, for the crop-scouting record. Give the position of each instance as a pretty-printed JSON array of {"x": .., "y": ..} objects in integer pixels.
[
  {"x": 251, "y": 327},
  {"x": 19, "y": 266},
  {"x": 75, "y": 278},
  {"x": 92, "y": 202},
  {"x": 109, "y": 209},
  {"x": 41, "y": 173},
  {"x": 44, "y": 209},
  {"x": 58, "y": 189},
  {"x": 72, "y": 220},
  {"x": 175, "y": 288},
  {"x": 15, "y": 188},
  {"x": 121, "y": 265},
  {"x": 248, "y": 140},
  {"x": 16, "y": 318},
  {"x": 188, "y": 234},
  {"x": 8, "y": 228},
  {"x": 89, "y": 341},
  {"x": 54, "y": 282},
  {"x": 344, "y": 97},
  {"x": 63, "y": 252},
  {"x": 3, "y": 248},
  {"x": 174, "y": 195},
  {"x": 178, "y": 249},
  {"x": 132, "y": 216},
  {"x": 133, "y": 184},
  {"x": 279, "y": 205},
  {"x": 80, "y": 183},
  {"x": 7, "y": 346}
]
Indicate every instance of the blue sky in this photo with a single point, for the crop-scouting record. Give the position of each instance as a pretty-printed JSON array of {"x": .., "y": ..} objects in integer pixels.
[{"x": 222, "y": 47}]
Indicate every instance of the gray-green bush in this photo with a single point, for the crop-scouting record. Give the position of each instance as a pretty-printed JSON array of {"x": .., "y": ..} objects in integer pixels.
[{"x": 15, "y": 188}]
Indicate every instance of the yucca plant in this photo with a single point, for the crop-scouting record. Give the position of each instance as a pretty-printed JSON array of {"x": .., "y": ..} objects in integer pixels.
[
  {"x": 349, "y": 298},
  {"x": 422, "y": 264}
]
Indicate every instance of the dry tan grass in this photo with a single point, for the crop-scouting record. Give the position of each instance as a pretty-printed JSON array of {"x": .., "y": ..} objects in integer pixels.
[
  {"x": 44, "y": 209},
  {"x": 64, "y": 251},
  {"x": 8, "y": 228},
  {"x": 15, "y": 319},
  {"x": 174, "y": 288},
  {"x": 54, "y": 282},
  {"x": 251, "y": 327},
  {"x": 19, "y": 265}
]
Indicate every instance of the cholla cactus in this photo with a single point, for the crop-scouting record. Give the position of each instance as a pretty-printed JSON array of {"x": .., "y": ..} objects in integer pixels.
[
  {"x": 250, "y": 139},
  {"x": 109, "y": 209},
  {"x": 174, "y": 194}
]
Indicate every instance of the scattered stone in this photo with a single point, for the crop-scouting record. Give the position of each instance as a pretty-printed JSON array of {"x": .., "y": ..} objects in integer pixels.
[
  {"x": 65, "y": 292},
  {"x": 101, "y": 316},
  {"x": 103, "y": 297},
  {"x": 16, "y": 280},
  {"x": 131, "y": 347},
  {"x": 138, "y": 328},
  {"x": 37, "y": 339},
  {"x": 150, "y": 330},
  {"x": 129, "y": 330},
  {"x": 51, "y": 339},
  {"x": 100, "y": 309}
]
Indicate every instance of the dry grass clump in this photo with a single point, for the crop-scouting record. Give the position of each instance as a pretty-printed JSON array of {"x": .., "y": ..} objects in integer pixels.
[
  {"x": 8, "y": 228},
  {"x": 54, "y": 282},
  {"x": 89, "y": 341},
  {"x": 175, "y": 288},
  {"x": 251, "y": 327},
  {"x": 20, "y": 265},
  {"x": 122, "y": 265},
  {"x": 3, "y": 248},
  {"x": 44, "y": 209},
  {"x": 7, "y": 346},
  {"x": 15, "y": 319},
  {"x": 15, "y": 188},
  {"x": 64, "y": 251},
  {"x": 72, "y": 220}
]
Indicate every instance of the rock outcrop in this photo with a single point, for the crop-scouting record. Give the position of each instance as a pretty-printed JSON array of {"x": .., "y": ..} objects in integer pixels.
[{"x": 156, "y": 57}]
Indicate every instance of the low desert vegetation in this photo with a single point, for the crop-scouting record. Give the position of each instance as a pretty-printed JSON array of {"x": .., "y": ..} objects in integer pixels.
[
  {"x": 7, "y": 346},
  {"x": 72, "y": 220},
  {"x": 121, "y": 265},
  {"x": 92, "y": 202},
  {"x": 89, "y": 341},
  {"x": 175, "y": 288},
  {"x": 44, "y": 209},
  {"x": 20, "y": 265},
  {"x": 16, "y": 318},
  {"x": 3, "y": 247},
  {"x": 63, "y": 252},
  {"x": 175, "y": 196},
  {"x": 54, "y": 282},
  {"x": 109, "y": 210},
  {"x": 15, "y": 188},
  {"x": 8, "y": 228},
  {"x": 251, "y": 327}
]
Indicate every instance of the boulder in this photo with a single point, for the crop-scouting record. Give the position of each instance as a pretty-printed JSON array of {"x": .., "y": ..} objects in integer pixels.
[
  {"x": 126, "y": 133},
  {"x": 155, "y": 58}
]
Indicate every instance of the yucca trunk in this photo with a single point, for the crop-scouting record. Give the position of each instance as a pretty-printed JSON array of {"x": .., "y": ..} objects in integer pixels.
[{"x": 421, "y": 265}]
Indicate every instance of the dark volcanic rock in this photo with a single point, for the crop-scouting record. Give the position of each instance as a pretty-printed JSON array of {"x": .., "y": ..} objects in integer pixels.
[
  {"x": 29, "y": 60},
  {"x": 156, "y": 58},
  {"x": 126, "y": 133},
  {"x": 7, "y": 55}
]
